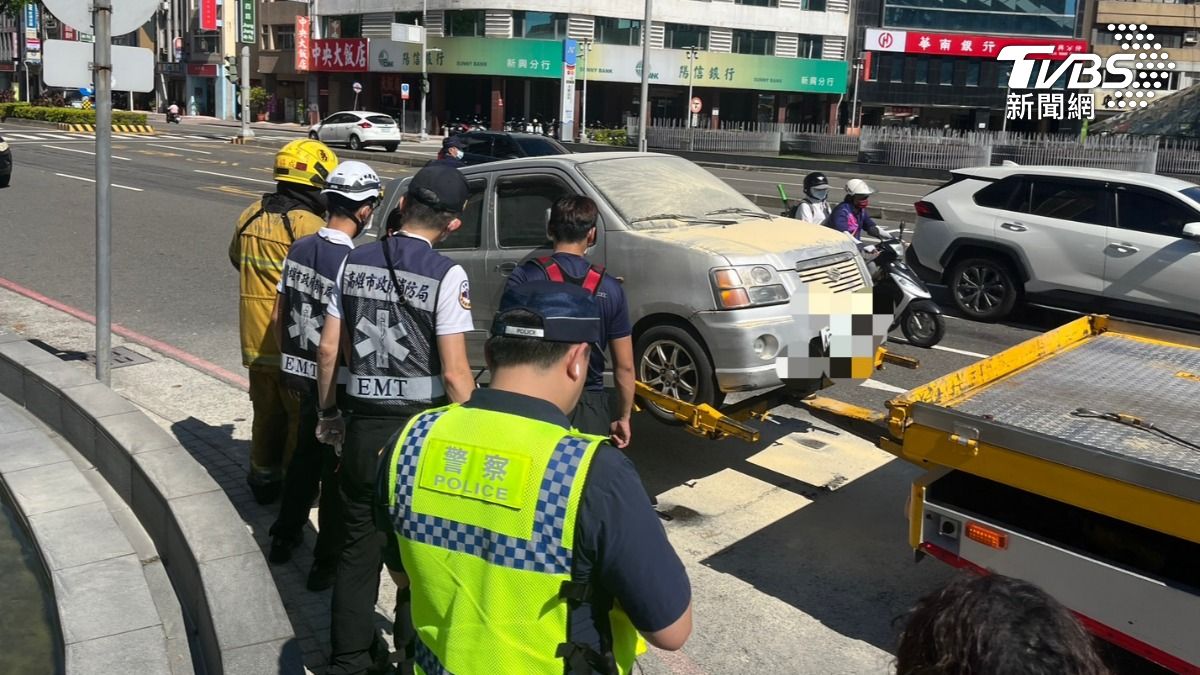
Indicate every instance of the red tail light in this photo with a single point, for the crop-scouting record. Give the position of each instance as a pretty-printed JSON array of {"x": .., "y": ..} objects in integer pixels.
[
  {"x": 365, "y": 125},
  {"x": 927, "y": 210}
]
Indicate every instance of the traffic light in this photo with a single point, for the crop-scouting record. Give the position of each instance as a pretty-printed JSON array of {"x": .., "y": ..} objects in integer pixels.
[
  {"x": 424, "y": 85},
  {"x": 231, "y": 69}
]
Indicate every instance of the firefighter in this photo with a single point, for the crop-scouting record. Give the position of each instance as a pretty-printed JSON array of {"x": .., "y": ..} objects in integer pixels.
[
  {"x": 572, "y": 228},
  {"x": 530, "y": 547},
  {"x": 261, "y": 238},
  {"x": 304, "y": 292},
  {"x": 402, "y": 311}
]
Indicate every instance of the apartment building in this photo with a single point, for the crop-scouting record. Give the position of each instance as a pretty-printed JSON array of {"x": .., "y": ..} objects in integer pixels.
[{"x": 755, "y": 60}]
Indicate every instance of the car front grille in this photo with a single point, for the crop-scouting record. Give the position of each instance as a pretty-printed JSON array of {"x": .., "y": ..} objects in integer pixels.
[{"x": 838, "y": 273}]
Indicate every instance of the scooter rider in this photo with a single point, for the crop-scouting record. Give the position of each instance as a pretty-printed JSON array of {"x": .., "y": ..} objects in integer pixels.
[
  {"x": 851, "y": 215},
  {"x": 814, "y": 208}
]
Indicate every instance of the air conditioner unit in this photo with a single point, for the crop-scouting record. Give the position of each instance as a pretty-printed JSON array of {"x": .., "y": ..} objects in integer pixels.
[{"x": 1191, "y": 37}]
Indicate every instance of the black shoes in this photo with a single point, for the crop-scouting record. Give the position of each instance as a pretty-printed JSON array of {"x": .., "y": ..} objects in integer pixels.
[
  {"x": 265, "y": 493},
  {"x": 281, "y": 547}
]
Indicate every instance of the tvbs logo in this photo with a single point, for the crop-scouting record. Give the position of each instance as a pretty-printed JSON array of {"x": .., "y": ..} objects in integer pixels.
[{"x": 1142, "y": 65}]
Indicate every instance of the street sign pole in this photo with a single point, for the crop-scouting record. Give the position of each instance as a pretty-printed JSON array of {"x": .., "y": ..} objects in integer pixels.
[
  {"x": 644, "y": 110},
  {"x": 102, "y": 15},
  {"x": 424, "y": 57},
  {"x": 691, "y": 113},
  {"x": 403, "y": 105},
  {"x": 244, "y": 72}
]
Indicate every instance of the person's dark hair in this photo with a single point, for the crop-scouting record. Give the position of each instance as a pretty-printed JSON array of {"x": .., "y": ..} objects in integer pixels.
[
  {"x": 419, "y": 215},
  {"x": 339, "y": 205},
  {"x": 994, "y": 625},
  {"x": 506, "y": 352},
  {"x": 571, "y": 218}
]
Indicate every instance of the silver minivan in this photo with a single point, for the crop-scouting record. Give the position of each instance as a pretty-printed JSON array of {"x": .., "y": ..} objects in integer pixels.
[{"x": 723, "y": 297}]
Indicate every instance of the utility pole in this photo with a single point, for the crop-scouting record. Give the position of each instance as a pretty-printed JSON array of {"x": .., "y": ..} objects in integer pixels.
[
  {"x": 247, "y": 132},
  {"x": 424, "y": 70},
  {"x": 644, "y": 111},
  {"x": 691, "y": 127},
  {"x": 587, "y": 47},
  {"x": 858, "y": 66},
  {"x": 102, "y": 74}
]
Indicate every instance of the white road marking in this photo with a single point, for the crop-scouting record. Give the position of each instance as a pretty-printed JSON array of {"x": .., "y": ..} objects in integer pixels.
[
  {"x": 82, "y": 152},
  {"x": 882, "y": 386},
  {"x": 92, "y": 180},
  {"x": 24, "y": 137},
  {"x": 172, "y": 147},
  {"x": 226, "y": 175},
  {"x": 942, "y": 348}
]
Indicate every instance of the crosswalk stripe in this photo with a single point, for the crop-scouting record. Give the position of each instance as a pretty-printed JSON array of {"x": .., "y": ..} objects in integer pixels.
[{"x": 24, "y": 137}]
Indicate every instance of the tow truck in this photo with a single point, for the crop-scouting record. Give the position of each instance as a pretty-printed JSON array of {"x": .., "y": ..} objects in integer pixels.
[{"x": 1071, "y": 460}]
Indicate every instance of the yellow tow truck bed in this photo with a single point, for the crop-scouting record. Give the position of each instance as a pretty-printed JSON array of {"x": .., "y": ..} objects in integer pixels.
[{"x": 1065, "y": 416}]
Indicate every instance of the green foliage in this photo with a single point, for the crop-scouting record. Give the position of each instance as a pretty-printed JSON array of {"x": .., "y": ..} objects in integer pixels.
[
  {"x": 13, "y": 8},
  {"x": 25, "y": 111},
  {"x": 258, "y": 99},
  {"x": 610, "y": 136}
]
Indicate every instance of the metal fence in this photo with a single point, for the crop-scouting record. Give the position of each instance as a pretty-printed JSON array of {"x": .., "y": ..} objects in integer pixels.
[
  {"x": 671, "y": 134},
  {"x": 1179, "y": 156},
  {"x": 942, "y": 149},
  {"x": 815, "y": 140}
]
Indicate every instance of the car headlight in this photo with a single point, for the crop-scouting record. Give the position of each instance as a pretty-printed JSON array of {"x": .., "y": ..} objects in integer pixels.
[
  {"x": 747, "y": 286},
  {"x": 3, "y": 146}
]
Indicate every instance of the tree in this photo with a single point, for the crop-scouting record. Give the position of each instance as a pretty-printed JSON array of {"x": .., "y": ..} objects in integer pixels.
[{"x": 13, "y": 7}]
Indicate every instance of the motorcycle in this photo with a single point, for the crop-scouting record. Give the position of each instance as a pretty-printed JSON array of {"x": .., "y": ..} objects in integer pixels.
[
  {"x": 899, "y": 289},
  {"x": 173, "y": 118}
]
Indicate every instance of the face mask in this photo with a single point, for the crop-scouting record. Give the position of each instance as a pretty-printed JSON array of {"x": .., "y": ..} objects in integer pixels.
[
  {"x": 820, "y": 193},
  {"x": 862, "y": 203}
]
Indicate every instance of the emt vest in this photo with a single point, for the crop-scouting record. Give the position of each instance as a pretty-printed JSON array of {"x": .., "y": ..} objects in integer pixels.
[
  {"x": 486, "y": 531},
  {"x": 308, "y": 278},
  {"x": 389, "y": 305},
  {"x": 590, "y": 281}
]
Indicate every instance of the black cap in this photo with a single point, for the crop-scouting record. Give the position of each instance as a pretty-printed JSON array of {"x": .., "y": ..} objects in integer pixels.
[
  {"x": 440, "y": 187},
  {"x": 454, "y": 142},
  {"x": 565, "y": 313}
]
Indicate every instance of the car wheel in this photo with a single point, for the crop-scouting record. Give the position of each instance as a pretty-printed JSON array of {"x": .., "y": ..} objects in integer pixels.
[
  {"x": 670, "y": 360},
  {"x": 355, "y": 143},
  {"x": 391, "y": 147},
  {"x": 984, "y": 289},
  {"x": 313, "y": 135}
]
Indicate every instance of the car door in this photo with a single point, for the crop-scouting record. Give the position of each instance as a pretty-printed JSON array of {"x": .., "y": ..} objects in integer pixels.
[
  {"x": 522, "y": 201},
  {"x": 467, "y": 247},
  {"x": 1061, "y": 230},
  {"x": 1147, "y": 261},
  {"x": 328, "y": 130}
]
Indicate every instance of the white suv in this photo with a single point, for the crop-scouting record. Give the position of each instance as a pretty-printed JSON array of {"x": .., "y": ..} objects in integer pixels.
[{"x": 1091, "y": 239}]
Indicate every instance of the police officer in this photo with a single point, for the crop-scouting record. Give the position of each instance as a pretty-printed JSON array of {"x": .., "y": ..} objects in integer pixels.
[
  {"x": 572, "y": 228},
  {"x": 530, "y": 548},
  {"x": 261, "y": 238},
  {"x": 402, "y": 310},
  {"x": 452, "y": 153},
  {"x": 814, "y": 208},
  {"x": 304, "y": 292}
]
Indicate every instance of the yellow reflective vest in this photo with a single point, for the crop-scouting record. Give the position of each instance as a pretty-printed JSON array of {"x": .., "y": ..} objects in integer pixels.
[
  {"x": 260, "y": 245},
  {"x": 484, "y": 505}
]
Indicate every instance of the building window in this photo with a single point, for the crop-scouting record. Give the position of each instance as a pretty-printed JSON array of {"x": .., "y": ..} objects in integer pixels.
[
  {"x": 947, "y": 76},
  {"x": 1002, "y": 75},
  {"x": 813, "y": 5},
  {"x": 264, "y": 40},
  {"x": 757, "y": 3},
  {"x": 897, "y": 63},
  {"x": 410, "y": 18},
  {"x": 613, "y": 31},
  {"x": 972, "y": 73},
  {"x": 1035, "y": 17},
  {"x": 539, "y": 25},
  {"x": 753, "y": 42},
  {"x": 922, "y": 71},
  {"x": 465, "y": 23},
  {"x": 346, "y": 26},
  {"x": 809, "y": 47},
  {"x": 682, "y": 35},
  {"x": 871, "y": 68}
]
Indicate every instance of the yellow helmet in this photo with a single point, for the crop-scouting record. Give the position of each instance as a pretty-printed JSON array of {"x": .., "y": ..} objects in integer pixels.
[{"x": 306, "y": 162}]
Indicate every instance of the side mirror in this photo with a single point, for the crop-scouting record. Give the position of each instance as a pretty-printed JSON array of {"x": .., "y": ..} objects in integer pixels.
[{"x": 1192, "y": 231}]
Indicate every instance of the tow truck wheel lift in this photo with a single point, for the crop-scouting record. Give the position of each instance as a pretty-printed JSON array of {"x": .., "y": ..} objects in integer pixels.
[{"x": 709, "y": 422}]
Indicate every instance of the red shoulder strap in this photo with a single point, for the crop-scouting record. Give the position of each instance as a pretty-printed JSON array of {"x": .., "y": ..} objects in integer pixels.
[
  {"x": 591, "y": 282},
  {"x": 551, "y": 269}
]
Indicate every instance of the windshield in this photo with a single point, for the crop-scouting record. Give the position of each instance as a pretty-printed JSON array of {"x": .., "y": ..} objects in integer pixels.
[{"x": 643, "y": 186}]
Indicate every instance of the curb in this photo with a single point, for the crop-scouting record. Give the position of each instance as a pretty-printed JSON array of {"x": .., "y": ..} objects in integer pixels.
[
  {"x": 119, "y": 128},
  {"x": 215, "y": 566},
  {"x": 241, "y": 140}
]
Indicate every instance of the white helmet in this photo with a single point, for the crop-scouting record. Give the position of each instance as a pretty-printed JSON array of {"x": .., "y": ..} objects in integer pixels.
[
  {"x": 857, "y": 187},
  {"x": 355, "y": 181}
]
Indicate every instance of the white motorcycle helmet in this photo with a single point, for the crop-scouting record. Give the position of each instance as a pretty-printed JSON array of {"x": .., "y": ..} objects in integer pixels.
[{"x": 857, "y": 187}]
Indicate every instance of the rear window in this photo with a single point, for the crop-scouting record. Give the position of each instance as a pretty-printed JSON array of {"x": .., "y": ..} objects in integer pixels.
[
  {"x": 1192, "y": 193},
  {"x": 380, "y": 119},
  {"x": 1001, "y": 195}
]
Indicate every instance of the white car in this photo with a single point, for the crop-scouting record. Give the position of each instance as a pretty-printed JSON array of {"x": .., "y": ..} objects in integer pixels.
[
  {"x": 1090, "y": 239},
  {"x": 357, "y": 129}
]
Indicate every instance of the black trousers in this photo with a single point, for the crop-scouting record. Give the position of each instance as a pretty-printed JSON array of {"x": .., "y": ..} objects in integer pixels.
[
  {"x": 311, "y": 469},
  {"x": 355, "y": 641},
  {"x": 591, "y": 414}
]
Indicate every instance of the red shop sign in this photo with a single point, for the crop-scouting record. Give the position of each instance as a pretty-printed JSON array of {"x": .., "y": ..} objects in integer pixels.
[
  {"x": 959, "y": 44},
  {"x": 339, "y": 55},
  {"x": 202, "y": 69},
  {"x": 303, "y": 63}
]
